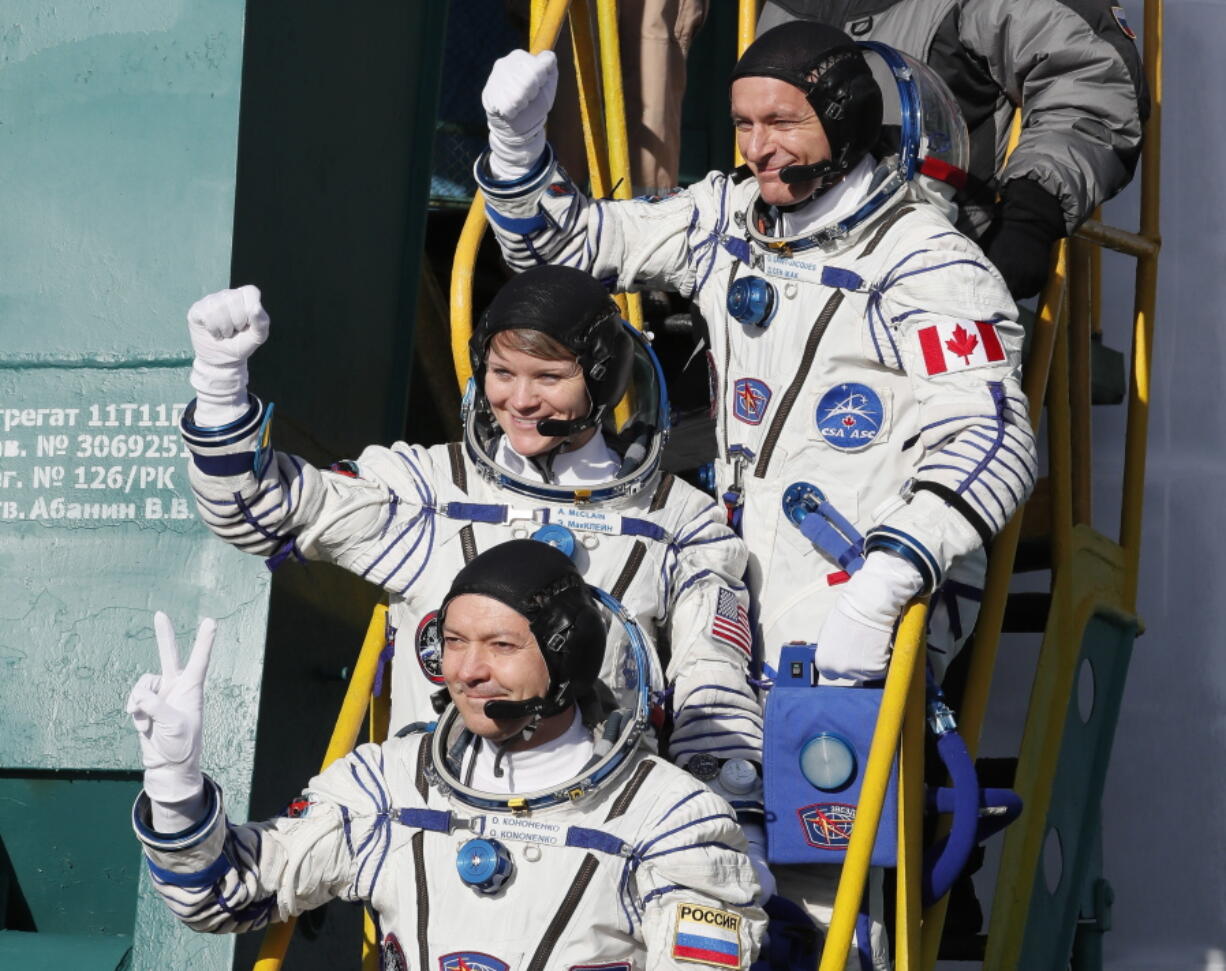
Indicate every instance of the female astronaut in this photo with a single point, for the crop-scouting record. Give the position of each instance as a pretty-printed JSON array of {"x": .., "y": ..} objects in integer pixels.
[{"x": 544, "y": 455}]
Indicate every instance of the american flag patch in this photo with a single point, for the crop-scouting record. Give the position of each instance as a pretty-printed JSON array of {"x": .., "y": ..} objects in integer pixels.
[{"x": 731, "y": 623}]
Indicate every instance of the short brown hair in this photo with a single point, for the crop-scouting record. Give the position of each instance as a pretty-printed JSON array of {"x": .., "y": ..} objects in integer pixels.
[{"x": 534, "y": 343}]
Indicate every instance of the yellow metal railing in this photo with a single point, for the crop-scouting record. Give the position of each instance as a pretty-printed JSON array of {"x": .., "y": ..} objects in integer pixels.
[
  {"x": 746, "y": 25},
  {"x": 354, "y": 709},
  {"x": 544, "y": 36},
  {"x": 1069, "y": 316},
  {"x": 605, "y": 138},
  {"x": 906, "y": 667}
]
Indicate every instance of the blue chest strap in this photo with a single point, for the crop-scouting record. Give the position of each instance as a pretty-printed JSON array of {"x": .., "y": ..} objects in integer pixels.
[
  {"x": 499, "y": 514},
  {"x": 581, "y": 837}
]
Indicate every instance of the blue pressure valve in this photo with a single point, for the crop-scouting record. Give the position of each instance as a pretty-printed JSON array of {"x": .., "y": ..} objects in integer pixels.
[
  {"x": 485, "y": 865},
  {"x": 557, "y": 536},
  {"x": 751, "y": 300}
]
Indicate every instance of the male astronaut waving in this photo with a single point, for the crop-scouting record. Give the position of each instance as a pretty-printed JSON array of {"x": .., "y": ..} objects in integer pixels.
[
  {"x": 529, "y": 830},
  {"x": 861, "y": 346}
]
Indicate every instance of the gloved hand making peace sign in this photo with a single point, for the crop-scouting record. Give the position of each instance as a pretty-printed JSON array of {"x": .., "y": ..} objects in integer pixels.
[{"x": 167, "y": 711}]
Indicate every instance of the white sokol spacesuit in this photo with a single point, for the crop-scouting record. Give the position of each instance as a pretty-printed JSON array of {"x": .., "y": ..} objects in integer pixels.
[
  {"x": 408, "y": 517},
  {"x": 584, "y": 852},
  {"x": 858, "y": 344},
  {"x": 864, "y": 354}
]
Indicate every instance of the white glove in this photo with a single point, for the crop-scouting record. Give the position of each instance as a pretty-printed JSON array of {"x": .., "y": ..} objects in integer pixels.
[
  {"x": 225, "y": 327},
  {"x": 167, "y": 712},
  {"x": 517, "y": 99},
  {"x": 854, "y": 643},
  {"x": 756, "y": 839}
]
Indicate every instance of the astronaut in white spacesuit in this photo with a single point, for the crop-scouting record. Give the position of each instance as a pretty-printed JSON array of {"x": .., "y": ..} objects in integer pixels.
[
  {"x": 529, "y": 829},
  {"x": 543, "y": 455},
  {"x": 872, "y": 433},
  {"x": 858, "y": 343}
]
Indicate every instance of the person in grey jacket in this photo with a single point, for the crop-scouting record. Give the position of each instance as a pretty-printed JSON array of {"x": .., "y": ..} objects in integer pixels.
[{"x": 1073, "y": 68}]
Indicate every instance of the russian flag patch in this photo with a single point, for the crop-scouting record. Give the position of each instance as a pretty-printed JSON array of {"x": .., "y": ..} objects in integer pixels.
[
  {"x": 959, "y": 345},
  {"x": 706, "y": 935}
]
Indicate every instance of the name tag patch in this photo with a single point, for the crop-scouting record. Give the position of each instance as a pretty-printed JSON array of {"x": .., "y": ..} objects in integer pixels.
[
  {"x": 707, "y": 935},
  {"x": 587, "y": 520},
  {"x": 850, "y": 416},
  {"x": 519, "y": 830}
]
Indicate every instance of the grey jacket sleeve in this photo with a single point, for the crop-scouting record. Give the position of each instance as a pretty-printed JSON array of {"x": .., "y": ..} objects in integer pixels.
[{"x": 1078, "y": 78}]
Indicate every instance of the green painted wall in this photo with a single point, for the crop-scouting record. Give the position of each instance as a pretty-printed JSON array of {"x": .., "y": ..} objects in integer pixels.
[
  {"x": 119, "y": 131},
  {"x": 154, "y": 151}
]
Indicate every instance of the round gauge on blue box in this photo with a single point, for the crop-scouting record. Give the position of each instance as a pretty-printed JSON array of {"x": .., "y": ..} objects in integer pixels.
[{"x": 828, "y": 762}]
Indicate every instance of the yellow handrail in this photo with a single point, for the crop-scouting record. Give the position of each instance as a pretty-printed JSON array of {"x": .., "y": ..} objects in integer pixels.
[
  {"x": 1137, "y": 435},
  {"x": 746, "y": 26},
  {"x": 590, "y": 111},
  {"x": 344, "y": 737},
  {"x": 908, "y": 646},
  {"x": 474, "y": 224},
  {"x": 907, "y": 927},
  {"x": 618, "y": 139},
  {"x": 973, "y": 710}
]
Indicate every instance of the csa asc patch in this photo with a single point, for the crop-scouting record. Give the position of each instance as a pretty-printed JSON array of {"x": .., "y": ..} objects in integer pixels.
[
  {"x": 827, "y": 825},
  {"x": 471, "y": 961},
  {"x": 706, "y": 935},
  {"x": 749, "y": 400},
  {"x": 429, "y": 646},
  {"x": 392, "y": 957},
  {"x": 850, "y": 416}
]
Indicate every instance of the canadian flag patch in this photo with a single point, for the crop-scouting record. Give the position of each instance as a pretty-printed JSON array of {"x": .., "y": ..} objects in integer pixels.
[{"x": 959, "y": 345}]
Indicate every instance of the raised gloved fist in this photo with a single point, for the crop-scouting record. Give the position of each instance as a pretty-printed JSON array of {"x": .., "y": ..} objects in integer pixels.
[
  {"x": 517, "y": 99},
  {"x": 167, "y": 712},
  {"x": 225, "y": 327},
  {"x": 854, "y": 643}
]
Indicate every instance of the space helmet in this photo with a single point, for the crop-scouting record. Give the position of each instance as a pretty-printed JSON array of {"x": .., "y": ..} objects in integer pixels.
[
  {"x": 624, "y": 381},
  {"x": 921, "y": 149},
  {"x": 825, "y": 64},
  {"x": 597, "y": 656}
]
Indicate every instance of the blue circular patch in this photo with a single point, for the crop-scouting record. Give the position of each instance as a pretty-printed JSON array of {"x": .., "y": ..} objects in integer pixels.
[{"x": 850, "y": 416}]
